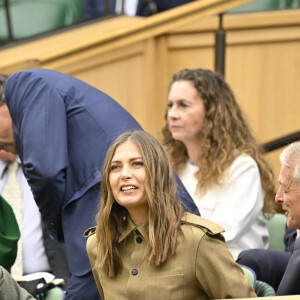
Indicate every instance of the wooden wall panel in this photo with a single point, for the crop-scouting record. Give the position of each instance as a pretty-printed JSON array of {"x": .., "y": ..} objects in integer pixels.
[
  {"x": 263, "y": 68},
  {"x": 128, "y": 78},
  {"x": 191, "y": 58}
]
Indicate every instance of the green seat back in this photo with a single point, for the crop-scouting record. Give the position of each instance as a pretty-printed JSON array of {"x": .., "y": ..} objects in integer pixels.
[
  {"x": 3, "y": 28},
  {"x": 249, "y": 273},
  {"x": 31, "y": 17},
  {"x": 276, "y": 227},
  {"x": 75, "y": 5},
  {"x": 262, "y": 289},
  {"x": 261, "y": 5}
]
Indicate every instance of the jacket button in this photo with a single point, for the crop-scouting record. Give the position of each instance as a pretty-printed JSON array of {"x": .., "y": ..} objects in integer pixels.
[
  {"x": 139, "y": 240},
  {"x": 134, "y": 272},
  {"x": 52, "y": 226}
]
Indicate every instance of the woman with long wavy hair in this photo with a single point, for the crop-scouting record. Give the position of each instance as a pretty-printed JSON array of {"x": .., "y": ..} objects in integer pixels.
[
  {"x": 145, "y": 246},
  {"x": 213, "y": 151}
]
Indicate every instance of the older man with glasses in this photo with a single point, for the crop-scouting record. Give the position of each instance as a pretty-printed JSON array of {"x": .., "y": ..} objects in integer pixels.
[
  {"x": 281, "y": 269},
  {"x": 288, "y": 195}
]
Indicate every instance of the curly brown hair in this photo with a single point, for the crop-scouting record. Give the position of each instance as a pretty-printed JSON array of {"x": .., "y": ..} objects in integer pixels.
[{"x": 225, "y": 130}]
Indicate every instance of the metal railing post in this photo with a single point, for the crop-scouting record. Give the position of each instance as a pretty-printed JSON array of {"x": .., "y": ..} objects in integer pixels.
[
  {"x": 8, "y": 20},
  {"x": 220, "y": 47}
]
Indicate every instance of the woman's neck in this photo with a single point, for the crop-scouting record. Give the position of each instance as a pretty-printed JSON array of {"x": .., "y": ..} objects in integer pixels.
[
  {"x": 193, "y": 149},
  {"x": 138, "y": 217}
]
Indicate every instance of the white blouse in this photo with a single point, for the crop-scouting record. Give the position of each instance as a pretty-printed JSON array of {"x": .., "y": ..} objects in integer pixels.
[{"x": 236, "y": 205}]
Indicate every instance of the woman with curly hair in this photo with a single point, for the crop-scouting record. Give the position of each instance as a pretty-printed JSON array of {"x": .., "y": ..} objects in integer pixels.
[
  {"x": 216, "y": 156},
  {"x": 145, "y": 246}
]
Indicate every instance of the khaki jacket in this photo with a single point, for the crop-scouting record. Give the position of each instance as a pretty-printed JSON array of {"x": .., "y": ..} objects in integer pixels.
[{"x": 201, "y": 268}]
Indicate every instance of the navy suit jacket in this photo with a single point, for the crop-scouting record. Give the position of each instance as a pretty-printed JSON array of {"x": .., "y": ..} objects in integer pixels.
[
  {"x": 161, "y": 5},
  {"x": 290, "y": 283},
  {"x": 57, "y": 257},
  {"x": 63, "y": 128},
  {"x": 96, "y": 8}
]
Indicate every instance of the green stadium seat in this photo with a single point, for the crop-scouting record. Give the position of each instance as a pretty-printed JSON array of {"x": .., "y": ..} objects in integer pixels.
[
  {"x": 262, "y": 5},
  {"x": 292, "y": 3},
  {"x": 75, "y": 5},
  {"x": 251, "y": 276},
  {"x": 3, "y": 27},
  {"x": 276, "y": 228},
  {"x": 32, "y": 17}
]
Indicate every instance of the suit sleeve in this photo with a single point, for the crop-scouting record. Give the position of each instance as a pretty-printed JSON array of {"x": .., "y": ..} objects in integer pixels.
[
  {"x": 57, "y": 257},
  {"x": 40, "y": 130},
  {"x": 187, "y": 202},
  {"x": 289, "y": 284}
]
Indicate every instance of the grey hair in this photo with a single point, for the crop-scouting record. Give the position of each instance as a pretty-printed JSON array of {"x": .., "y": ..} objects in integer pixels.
[
  {"x": 290, "y": 157},
  {"x": 3, "y": 79}
]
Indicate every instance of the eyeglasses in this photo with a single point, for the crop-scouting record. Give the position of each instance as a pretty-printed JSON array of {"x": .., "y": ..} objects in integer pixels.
[{"x": 287, "y": 188}]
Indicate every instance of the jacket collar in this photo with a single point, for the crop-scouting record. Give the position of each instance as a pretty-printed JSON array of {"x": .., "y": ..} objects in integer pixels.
[{"x": 132, "y": 228}]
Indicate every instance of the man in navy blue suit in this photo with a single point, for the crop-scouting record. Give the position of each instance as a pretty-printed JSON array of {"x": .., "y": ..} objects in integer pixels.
[
  {"x": 61, "y": 129},
  {"x": 149, "y": 7},
  {"x": 145, "y": 8},
  {"x": 96, "y": 8}
]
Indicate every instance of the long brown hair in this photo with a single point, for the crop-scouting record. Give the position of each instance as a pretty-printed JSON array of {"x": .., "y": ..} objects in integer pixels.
[
  {"x": 165, "y": 210},
  {"x": 226, "y": 134}
]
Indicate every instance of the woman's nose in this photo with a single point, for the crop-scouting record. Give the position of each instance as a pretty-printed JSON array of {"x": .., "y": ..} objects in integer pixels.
[
  {"x": 125, "y": 173},
  {"x": 172, "y": 112}
]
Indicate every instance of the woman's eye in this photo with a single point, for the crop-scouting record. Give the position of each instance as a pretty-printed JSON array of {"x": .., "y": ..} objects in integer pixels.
[
  {"x": 183, "y": 105},
  {"x": 114, "y": 167},
  {"x": 138, "y": 163}
]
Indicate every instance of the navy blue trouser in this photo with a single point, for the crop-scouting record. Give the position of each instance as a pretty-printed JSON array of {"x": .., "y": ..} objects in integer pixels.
[{"x": 269, "y": 265}]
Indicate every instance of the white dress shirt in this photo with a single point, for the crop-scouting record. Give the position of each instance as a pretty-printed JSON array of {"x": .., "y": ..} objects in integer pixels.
[
  {"x": 34, "y": 256},
  {"x": 130, "y": 7},
  {"x": 236, "y": 206}
]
